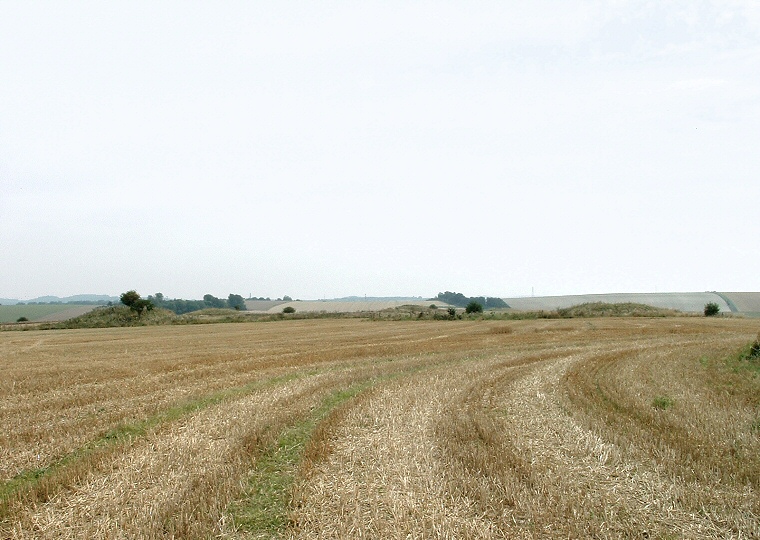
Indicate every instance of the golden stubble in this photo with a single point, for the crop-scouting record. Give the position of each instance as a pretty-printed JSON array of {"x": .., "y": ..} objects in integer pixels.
[
  {"x": 468, "y": 429},
  {"x": 495, "y": 448}
]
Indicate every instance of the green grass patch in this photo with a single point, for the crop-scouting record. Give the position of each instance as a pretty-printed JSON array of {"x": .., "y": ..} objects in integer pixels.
[
  {"x": 735, "y": 375},
  {"x": 754, "y": 350},
  {"x": 263, "y": 509},
  {"x": 663, "y": 403},
  {"x": 26, "y": 482},
  {"x": 747, "y": 360}
]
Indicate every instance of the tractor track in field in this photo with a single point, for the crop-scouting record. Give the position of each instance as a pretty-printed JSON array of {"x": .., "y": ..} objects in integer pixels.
[
  {"x": 490, "y": 451},
  {"x": 573, "y": 473}
]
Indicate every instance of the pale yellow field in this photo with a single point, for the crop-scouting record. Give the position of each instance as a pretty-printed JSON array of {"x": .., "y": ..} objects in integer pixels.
[{"x": 606, "y": 428}]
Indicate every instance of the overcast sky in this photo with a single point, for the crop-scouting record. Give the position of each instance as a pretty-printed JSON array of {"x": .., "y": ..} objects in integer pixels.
[{"x": 325, "y": 149}]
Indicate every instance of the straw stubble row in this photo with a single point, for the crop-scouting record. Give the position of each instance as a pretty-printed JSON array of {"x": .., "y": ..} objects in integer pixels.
[
  {"x": 463, "y": 430},
  {"x": 496, "y": 449}
]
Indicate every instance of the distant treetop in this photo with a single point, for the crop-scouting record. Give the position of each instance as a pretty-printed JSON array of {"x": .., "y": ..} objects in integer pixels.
[
  {"x": 132, "y": 300},
  {"x": 460, "y": 300}
]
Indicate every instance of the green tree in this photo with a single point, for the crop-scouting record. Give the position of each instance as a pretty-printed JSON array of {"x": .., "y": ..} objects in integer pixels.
[
  {"x": 235, "y": 301},
  {"x": 129, "y": 298},
  {"x": 133, "y": 301},
  {"x": 473, "y": 307},
  {"x": 460, "y": 300},
  {"x": 453, "y": 298},
  {"x": 711, "y": 309},
  {"x": 213, "y": 301}
]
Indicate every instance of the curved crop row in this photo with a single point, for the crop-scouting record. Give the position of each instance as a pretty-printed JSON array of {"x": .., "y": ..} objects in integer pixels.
[{"x": 601, "y": 428}]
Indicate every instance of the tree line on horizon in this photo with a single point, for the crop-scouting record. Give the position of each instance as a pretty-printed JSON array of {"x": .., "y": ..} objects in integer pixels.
[
  {"x": 180, "y": 306},
  {"x": 460, "y": 300}
]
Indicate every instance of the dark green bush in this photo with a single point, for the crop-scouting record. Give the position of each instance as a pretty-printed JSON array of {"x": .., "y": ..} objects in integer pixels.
[
  {"x": 289, "y": 309},
  {"x": 711, "y": 309},
  {"x": 473, "y": 307}
]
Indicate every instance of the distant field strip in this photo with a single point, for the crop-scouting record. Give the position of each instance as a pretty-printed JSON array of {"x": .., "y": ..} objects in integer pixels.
[
  {"x": 42, "y": 312},
  {"x": 343, "y": 428}
]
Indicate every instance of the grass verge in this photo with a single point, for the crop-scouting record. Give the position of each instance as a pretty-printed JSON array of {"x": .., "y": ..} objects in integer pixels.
[
  {"x": 263, "y": 510},
  {"x": 40, "y": 484}
]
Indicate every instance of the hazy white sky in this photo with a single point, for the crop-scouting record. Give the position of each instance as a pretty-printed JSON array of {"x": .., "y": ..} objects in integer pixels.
[{"x": 323, "y": 149}]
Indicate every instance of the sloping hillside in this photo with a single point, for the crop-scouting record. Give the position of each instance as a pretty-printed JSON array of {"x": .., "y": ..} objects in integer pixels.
[
  {"x": 687, "y": 302},
  {"x": 745, "y": 302}
]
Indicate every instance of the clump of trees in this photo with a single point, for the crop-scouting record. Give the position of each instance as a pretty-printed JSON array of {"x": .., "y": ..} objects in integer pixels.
[
  {"x": 214, "y": 302},
  {"x": 473, "y": 307},
  {"x": 180, "y": 306},
  {"x": 460, "y": 300},
  {"x": 711, "y": 309},
  {"x": 235, "y": 301},
  {"x": 135, "y": 303}
]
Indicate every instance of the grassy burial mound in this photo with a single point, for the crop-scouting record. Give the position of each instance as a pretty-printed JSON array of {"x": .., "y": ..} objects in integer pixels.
[
  {"x": 122, "y": 316},
  {"x": 336, "y": 428},
  {"x": 625, "y": 309},
  {"x": 113, "y": 316}
]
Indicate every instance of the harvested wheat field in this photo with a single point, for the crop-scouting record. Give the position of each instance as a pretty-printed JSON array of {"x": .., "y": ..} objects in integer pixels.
[{"x": 581, "y": 428}]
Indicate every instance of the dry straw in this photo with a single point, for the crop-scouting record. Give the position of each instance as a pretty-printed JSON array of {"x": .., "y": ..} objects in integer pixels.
[{"x": 445, "y": 429}]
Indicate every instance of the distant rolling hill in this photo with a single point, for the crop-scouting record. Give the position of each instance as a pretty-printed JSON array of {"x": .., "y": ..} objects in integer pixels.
[
  {"x": 689, "y": 302},
  {"x": 742, "y": 303},
  {"x": 78, "y": 298}
]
